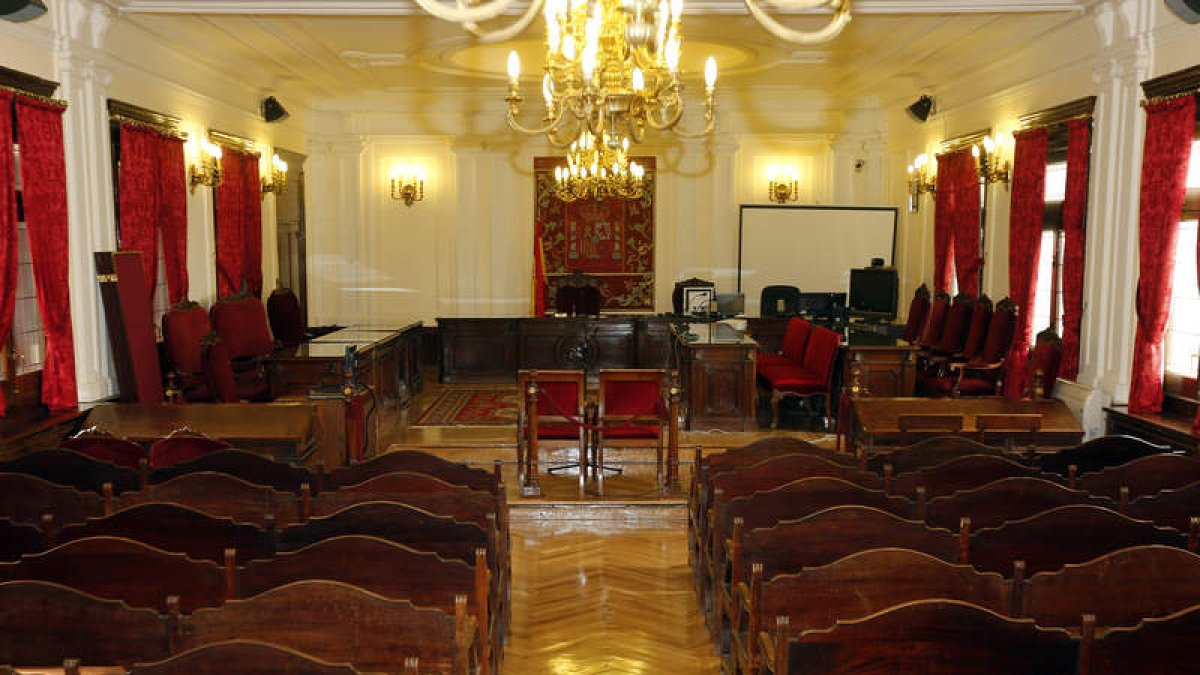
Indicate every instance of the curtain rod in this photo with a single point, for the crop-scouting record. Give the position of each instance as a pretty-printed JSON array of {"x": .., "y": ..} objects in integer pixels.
[{"x": 36, "y": 97}]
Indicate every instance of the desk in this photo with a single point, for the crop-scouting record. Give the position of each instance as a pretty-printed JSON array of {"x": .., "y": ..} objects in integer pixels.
[
  {"x": 283, "y": 430},
  {"x": 875, "y": 421},
  {"x": 1165, "y": 429},
  {"x": 716, "y": 371},
  {"x": 886, "y": 366}
]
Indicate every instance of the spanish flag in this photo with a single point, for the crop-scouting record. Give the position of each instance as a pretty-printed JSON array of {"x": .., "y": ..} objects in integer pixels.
[{"x": 537, "y": 286}]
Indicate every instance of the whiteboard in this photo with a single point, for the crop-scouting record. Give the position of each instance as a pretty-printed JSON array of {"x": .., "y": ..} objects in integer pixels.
[{"x": 810, "y": 247}]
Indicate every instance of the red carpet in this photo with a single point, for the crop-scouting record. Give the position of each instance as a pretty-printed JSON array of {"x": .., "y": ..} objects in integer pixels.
[{"x": 471, "y": 408}]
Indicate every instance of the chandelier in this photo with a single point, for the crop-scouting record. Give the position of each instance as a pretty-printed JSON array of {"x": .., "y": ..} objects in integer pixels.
[
  {"x": 612, "y": 70},
  {"x": 597, "y": 170}
]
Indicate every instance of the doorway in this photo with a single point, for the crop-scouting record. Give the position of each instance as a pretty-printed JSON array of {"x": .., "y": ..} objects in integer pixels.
[{"x": 290, "y": 231}]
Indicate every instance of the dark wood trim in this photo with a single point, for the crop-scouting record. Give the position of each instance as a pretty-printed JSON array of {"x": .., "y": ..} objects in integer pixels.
[
  {"x": 1173, "y": 84},
  {"x": 15, "y": 79},
  {"x": 1059, "y": 114},
  {"x": 1167, "y": 428}
]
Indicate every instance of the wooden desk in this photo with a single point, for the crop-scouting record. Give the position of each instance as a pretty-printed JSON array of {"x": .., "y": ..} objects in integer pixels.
[
  {"x": 283, "y": 430},
  {"x": 875, "y": 421},
  {"x": 716, "y": 370},
  {"x": 1165, "y": 429},
  {"x": 886, "y": 366}
]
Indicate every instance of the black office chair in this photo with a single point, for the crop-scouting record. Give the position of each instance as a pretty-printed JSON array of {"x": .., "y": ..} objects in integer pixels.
[{"x": 779, "y": 301}]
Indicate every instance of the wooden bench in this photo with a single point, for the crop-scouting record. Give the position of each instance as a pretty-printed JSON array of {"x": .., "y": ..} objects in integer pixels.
[
  {"x": 928, "y": 452},
  {"x": 1141, "y": 477},
  {"x": 247, "y": 657},
  {"x": 17, "y": 539},
  {"x": 217, "y": 494},
  {"x": 249, "y": 466},
  {"x": 66, "y": 467},
  {"x": 25, "y": 498},
  {"x": 961, "y": 473},
  {"x": 1158, "y": 646},
  {"x": 1178, "y": 508},
  {"x": 1003, "y": 500},
  {"x": 1097, "y": 454}
]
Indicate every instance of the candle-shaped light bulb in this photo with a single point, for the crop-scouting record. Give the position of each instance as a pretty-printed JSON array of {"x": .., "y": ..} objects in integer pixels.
[
  {"x": 639, "y": 80},
  {"x": 676, "y": 9},
  {"x": 672, "y": 55},
  {"x": 588, "y": 64},
  {"x": 710, "y": 73},
  {"x": 568, "y": 48},
  {"x": 548, "y": 90},
  {"x": 514, "y": 66},
  {"x": 975, "y": 151},
  {"x": 911, "y": 170}
]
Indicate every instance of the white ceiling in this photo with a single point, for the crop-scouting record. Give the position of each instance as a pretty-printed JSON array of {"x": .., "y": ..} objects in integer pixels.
[{"x": 334, "y": 49}]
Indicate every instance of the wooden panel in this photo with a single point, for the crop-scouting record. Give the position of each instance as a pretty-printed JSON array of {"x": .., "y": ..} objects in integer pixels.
[
  {"x": 478, "y": 350},
  {"x": 1159, "y": 429},
  {"x": 718, "y": 384},
  {"x": 876, "y": 420},
  {"x": 886, "y": 370}
]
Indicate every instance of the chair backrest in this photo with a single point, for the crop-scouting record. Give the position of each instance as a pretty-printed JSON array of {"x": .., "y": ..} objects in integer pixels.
[
  {"x": 779, "y": 300},
  {"x": 800, "y": 498},
  {"x": 241, "y": 322},
  {"x": 17, "y": 539},
  {"x": 116, "y": 568},
  {"x": 935, "y": 636},
  {"x": 918, "y": 313},
  {"x": 999, "y": 333},
  {"x": 589, "y": 301},
  {"x": 286, "y": 317},
  {"x": 561, "y": 393},
  {"x": 1098, "y": 454},
  {"x": 772, "y": 473},
  {"x": 1175, "y": 508},
  {"x": 958, "y": 320},
  {"x": 462, "y": 504},
  {"x": 1044, "y": 360},
  {"x": 184, "y": 327},
  {"x": 218, "y": 371},
  {"x": 1144, "y": 476},
  {"x": 220, "y": 494},
  {"x": 102, "y": 444},
  {"x": 821, "y": 352},
  {"x": 1157, "y": 646},
  {"x": 795, "y": 339},
  {"x": 241, "y": 656},
  {"x": 25, "y": 499},
  {"x": 1119, "y": 588},
  {"x": 962, "y": 473},
  {"x": 632, "y": 391},
  {"x": 937, "y": 319},
  {"x": 67, "y": 467},
  {"x": 182, "y": 445},
  {"x": 928, "y": 452},
  {"x": 420, "y": 462},
  {"x": 249, "y": 466},
  {"x": 1013, "y": 498},
  {"x": 977, "y": 332}
]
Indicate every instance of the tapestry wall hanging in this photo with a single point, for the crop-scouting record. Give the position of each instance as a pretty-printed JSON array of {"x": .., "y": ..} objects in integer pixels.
[{"x": 610, "y": 239}]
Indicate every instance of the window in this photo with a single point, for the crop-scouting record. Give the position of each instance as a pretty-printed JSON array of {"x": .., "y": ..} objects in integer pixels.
[
  {"x": 1181, "y": 346},
  {"x": 27, "y": 344},
  {"x": 1047, "y": 304}
]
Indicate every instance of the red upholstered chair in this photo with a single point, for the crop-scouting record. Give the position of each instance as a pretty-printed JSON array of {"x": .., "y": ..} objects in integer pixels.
[
  {"x": 813, "y": 377},
  {"x": 981, "y": 376},
  {"x": 558, "y": 420},
  {"x": 1044, "y": 359},
  {"x": 958, "y": 321},
  {"x": 287, "y": 320},
  {"x": 180, "y": 446},
  {"x": 791, "y": 353},
  {"x": 219, "y": 371},
  {"x": 185, "y": 327},
  {"x": 938, "y": 380},
  {"x": 102, "y": 444},
  {"x": 938, "y": 312},
  {"x": 918, "y": 312},
  {"x": 632, "y": 412},
  {"x": 241, "y": 321}
]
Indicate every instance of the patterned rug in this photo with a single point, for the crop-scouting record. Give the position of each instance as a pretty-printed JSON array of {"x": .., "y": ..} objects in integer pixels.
[{"x": 496, "y": 407}]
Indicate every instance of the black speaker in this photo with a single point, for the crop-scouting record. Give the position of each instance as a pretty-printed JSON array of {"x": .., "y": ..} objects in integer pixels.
[
  {"x": 921, "y": 109},
  {"x": 21, "y": 10},
  {"x": 273, "y": 110},
  {"x": 1188, "y": 10}
]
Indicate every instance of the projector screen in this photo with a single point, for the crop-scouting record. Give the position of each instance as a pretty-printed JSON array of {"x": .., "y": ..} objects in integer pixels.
[{"x": 810, "y": 247}]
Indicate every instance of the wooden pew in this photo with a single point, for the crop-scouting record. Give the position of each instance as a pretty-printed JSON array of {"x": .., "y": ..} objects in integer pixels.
[
  {"x": 933, "y": 637},
  {"x": 386, "y": 568},
  {"x": 17, "y": 539},
  {"x": 180, "y": 529},
  {"x": 1178, "y": 508},
  {"x": 245, "y": 657},
  {"x": 114, "y": 568},
  {"x": 417, "y": 462},
  {"x": 1006, "y": 499},
  {"x": 65, "y": 467},
  {"x": 341, "y": 623},
  {"x": 1142, "y": 477},
  {"x": 1160, "y": 646},
  {"x": 1118, "y": 589},
  {"x": 43, "y": 623},
  {"x": 1098, "y": 453},
  {"x": 962, "y": 473},
  {"x": 249, "y": 466},
  {"x": 217, "y": 494},
  {"x": 928, "y": 452},
  {"x": 850, "y": 588},
  {"x": 1063, "y": 535},
  {"x": 25, "y": 498}
]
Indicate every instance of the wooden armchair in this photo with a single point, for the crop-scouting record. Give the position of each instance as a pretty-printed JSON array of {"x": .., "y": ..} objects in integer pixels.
[
  {"x": 918, "y": 313},
  {"x": 102, "y": 444},
  {"x": 241, "y": 321},
  {"x": 983, "y": 375},
  {"x": 181, "y": 445},
  {"x": 636, "y": 408},
  {"x": 552, "y": 412}
]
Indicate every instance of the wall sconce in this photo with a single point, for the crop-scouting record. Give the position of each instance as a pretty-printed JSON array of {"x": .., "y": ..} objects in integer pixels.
[
  {"x": 408, "y": 185},
  {"x": 920, "y": 181},
  {"x": 278, "y": 182},
  {"x": 208, "y": 171},
  {"x": 991, "y": 168},
  {"x": 782, "y": 188}
]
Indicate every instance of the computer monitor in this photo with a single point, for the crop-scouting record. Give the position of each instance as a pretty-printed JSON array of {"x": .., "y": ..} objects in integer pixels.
[
  {"x": 731, "y": 304},
  {"x": 873, "y": 292}
]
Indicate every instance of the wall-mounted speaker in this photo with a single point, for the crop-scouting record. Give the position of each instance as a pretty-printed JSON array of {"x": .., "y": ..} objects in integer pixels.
[
  {"x": 272, "y": 110},
  {"x": 1188, "y": 10},
  {"x": 920, "y": 110},
  {"x": 21, "y": 10}
]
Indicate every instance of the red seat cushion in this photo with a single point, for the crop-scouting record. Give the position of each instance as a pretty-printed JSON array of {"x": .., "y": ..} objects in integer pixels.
[{"x": 807, "y": 383}]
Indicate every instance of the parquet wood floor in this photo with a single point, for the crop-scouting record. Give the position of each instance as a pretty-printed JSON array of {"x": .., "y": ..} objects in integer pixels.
[{"x": 612, "y": 598}]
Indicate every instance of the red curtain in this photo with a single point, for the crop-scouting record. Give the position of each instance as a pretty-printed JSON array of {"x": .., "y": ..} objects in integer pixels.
[
  {"x": 43, "y": 172},
  {"x": 138, "y": 197},
  {"x": 230, "y": 270},
  {"x": 251, "y": 225},
  {"x": 1026, "y": 216},
  {"x": 1170, "y": 126},
  {"x": 8, "y": 227},
  {"x": 172, "y": 216},
  {"x": 1079, "y": 147},
  {"x": 966, "y": 209},
  {"x": 943, "y": 221}
]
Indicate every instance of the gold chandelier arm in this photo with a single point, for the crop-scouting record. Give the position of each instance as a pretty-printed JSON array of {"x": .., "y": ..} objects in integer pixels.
[
  {"x": 708, "y": 128},
  {"x": 533, "y": 131},
  {"x": 461, "y": 14},
  {"x": 830, "y": 31},
  {"x": 510, "y": 32},
  {"x": 809, "y": 4}
]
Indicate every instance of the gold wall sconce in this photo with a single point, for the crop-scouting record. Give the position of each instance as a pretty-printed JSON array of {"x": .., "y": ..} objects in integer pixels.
[
  {"x": 278, "y": 182},
  {"x": 408, "y": 184},
  {"x": 782, "y": 184},
  {"x": 920, "y": 181},
  {"x": 208, "y": 171},
  {"x": 992, "y": 169}
]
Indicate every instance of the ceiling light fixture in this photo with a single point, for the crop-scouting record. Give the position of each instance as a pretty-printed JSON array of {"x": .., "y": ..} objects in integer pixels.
[{"x": 596, "y": 170}]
